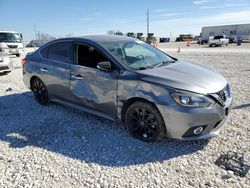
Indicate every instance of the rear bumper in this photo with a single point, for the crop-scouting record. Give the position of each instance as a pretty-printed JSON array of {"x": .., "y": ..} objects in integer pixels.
[
  {"x": 181, "y": 121},
  {"x": 26, "y": 79}
]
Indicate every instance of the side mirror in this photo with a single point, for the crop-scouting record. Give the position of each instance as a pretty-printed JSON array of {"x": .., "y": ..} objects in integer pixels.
[{"x": 104, "y": 66}]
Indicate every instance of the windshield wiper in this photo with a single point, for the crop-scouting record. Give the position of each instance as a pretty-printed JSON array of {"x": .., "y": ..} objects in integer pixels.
[
  {"x": 162, "y": 63},
  {"x": 150, "y": 67},
  {"x": 140, "y": 68},
  {"x": 158, "y": 65},
  {"x": 154, "y": 66}
]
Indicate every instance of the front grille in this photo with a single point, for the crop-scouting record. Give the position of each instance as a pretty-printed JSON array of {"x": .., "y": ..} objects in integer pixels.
[
  {"x": 223, "y": 94},
  {"x": 12, "y": 46},
  {"x": 217, "y": 124},
  {"x": 4, "y": 68}
]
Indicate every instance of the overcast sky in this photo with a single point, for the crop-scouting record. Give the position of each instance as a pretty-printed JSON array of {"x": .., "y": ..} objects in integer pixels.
[{"x": 75, "y": 17}]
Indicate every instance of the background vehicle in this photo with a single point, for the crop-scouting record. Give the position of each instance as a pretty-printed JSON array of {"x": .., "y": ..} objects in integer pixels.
[
  {"x": 37, "y": 43},
  {"x": 11, "y": 42},
  {"x": 232, "y": 40},
  {"x": 125, "y": 79},
  {"x": 218, "y": 40},
  {"x": 6, "y": 64},
  {"x": 200, "y": 41},
  {"x": 184, "y": 38}
]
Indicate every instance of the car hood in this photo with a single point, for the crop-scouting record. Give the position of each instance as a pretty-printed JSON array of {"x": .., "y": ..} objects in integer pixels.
[{"x": 185, "y": 76}]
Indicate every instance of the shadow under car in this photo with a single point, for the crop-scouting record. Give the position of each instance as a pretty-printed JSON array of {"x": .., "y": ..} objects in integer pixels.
[{"x": 79, "y": 135}]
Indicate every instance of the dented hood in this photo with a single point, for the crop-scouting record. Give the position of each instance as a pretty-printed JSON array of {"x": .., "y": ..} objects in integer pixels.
[{"x": 185, "y": 76}]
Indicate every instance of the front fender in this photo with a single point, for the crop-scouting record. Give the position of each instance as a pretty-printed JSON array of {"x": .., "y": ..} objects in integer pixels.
[{"x": 129, "y": 88}]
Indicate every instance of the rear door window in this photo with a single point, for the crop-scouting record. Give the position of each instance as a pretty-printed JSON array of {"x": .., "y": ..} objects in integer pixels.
[
  {"x": 61, "y": 51},
  {"x": 44, "y": 52}
]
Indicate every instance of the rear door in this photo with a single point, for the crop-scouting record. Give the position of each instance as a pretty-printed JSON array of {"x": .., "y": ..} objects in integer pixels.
[
  {"x": 57, "y": 58},
  {"x": 90, "y": 86}
]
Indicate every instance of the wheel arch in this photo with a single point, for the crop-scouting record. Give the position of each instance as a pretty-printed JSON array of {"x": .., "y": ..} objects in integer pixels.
[
  {"x": 32, "y": 80},
  {"x": 162, "y": 126},
  {"x": 132, "y": 100}
]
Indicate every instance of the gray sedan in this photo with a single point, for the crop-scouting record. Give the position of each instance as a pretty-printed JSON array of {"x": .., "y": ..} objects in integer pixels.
[
  {"x": 123, "y": 79},
  {"x": 6, "y": 64}
]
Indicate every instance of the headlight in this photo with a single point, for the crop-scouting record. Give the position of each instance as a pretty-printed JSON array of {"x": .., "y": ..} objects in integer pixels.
[{"x": 192, "y": 100}]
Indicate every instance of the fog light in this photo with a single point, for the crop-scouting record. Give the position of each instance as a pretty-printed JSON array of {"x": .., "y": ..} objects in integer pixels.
[{"x": 198, "y": 130}]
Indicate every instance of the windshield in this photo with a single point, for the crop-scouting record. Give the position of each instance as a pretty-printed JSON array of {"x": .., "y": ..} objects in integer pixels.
[
  {"x": 10, "y": 37},
  {"x": 137, "y": 55}
]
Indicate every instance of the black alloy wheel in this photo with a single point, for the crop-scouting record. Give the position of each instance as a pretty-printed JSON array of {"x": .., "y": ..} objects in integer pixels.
[
  {"x": 145, "y": 122},
  {"x": 40, "y": 91}
]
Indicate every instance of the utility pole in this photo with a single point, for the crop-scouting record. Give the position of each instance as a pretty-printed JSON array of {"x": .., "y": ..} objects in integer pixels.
[
  {"x": 35, "y": 31},
  {"x": 147, "y": 26}
]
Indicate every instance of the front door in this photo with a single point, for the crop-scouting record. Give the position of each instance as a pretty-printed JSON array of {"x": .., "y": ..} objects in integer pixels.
[{"x": 90, "y": 86}]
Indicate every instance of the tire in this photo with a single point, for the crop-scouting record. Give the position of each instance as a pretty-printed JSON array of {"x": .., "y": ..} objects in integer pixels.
[
  {"x": 40, "y": 92},
  {"x": 210, "y": 45},
  {"x": 144, "y": 122},
  {"x": 18, "y": 55}
]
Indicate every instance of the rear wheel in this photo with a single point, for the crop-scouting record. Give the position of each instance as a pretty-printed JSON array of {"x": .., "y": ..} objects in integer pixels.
[
  {"x": 144, "y": 122},
  {"x": 40, "y": 91}
]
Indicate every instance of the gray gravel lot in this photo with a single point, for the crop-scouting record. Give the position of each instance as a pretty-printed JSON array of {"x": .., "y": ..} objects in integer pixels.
[{"x": 54, "y": 146}]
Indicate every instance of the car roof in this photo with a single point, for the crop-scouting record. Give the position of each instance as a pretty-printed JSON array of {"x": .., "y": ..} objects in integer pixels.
[
  {"x": 101, "y": 38},
  {"x": 5, "y": 31},
  {"x": 40, "y": 40}
]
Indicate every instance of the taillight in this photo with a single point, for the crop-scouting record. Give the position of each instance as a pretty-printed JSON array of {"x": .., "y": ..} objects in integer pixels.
[{"x": 24, "y": 61}]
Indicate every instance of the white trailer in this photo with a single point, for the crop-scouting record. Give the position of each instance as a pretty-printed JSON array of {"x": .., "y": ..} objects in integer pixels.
[
  {"x": 11, "y": 42},
  {"x": 241, "y": 31}
]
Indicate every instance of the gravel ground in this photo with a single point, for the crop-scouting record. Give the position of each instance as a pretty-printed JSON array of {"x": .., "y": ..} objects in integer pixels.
[{"x": 54, "y": 146}]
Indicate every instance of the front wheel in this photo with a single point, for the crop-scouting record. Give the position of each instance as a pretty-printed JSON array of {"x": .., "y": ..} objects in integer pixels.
[
  {"x": 40, "y": 91},
  {"x": 144, "y": 122}
]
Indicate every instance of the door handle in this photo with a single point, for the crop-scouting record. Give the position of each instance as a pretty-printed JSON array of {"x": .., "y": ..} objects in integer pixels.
[
  {"x": 77, "y": 77},
  {"x": 43, "y": 70}
]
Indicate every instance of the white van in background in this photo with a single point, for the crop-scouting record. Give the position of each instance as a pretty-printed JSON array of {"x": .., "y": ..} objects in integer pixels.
[{"x": 11, "y": 42}]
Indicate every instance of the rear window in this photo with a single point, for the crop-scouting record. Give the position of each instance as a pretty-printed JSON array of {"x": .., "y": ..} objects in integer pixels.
[
  {"x": 60, "y": 51},
  {"x": 218, "y": 37}
]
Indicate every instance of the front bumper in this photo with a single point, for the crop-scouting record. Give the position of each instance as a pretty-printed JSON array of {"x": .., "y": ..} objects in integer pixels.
[
  {"x": 6, "y": 66},
  {"x": 180, "y": 120},
  {"x": 12, "y": 51}
]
